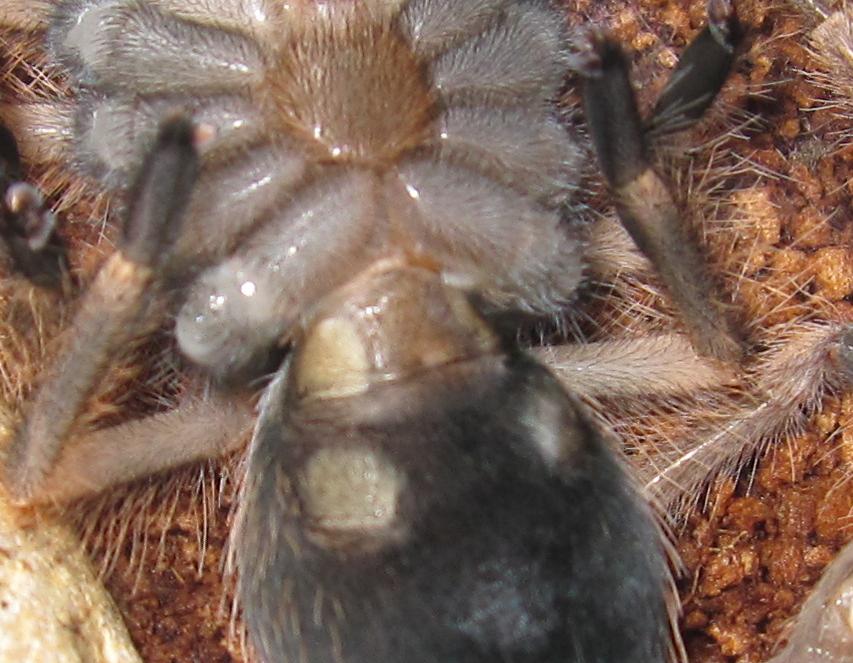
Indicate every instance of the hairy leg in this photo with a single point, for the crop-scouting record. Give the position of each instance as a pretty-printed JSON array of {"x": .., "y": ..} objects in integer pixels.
[
  {"x": 660, "y": 365},
  {"x": 194, "y": 431},
  {"x": 113, "y": 309},
  {"x": 26, "y": 16},
  {"x": 786, "y": 388},
  {"x": 642, "y": 198}
]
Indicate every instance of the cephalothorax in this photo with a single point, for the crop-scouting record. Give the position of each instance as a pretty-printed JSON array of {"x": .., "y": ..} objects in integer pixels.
[{"x": 346, "y": 194}]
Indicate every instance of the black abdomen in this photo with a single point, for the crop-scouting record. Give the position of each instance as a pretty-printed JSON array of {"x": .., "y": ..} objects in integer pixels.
[{"x": 510, "y": 534}]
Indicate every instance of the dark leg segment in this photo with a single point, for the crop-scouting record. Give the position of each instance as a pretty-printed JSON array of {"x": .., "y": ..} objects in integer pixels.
[
  {"x": 113, "y": 310},
  {"x": 642, "y": 199},
  {"x": 26, "y": 225},
  {"x": 702, "y": 70}
]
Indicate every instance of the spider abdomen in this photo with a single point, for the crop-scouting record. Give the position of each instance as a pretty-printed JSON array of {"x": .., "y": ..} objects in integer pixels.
[{"x": 437, "y": 500}]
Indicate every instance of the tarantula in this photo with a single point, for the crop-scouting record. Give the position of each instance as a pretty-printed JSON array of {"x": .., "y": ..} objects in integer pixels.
[{"x": 361, "y": 192}]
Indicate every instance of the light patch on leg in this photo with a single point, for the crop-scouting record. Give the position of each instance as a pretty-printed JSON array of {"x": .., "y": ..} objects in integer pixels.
[{"x": 351, "y": 498}]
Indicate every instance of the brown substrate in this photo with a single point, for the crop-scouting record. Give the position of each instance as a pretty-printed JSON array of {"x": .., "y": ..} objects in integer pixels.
[
  {"x": 751, "y": 558},
  {"x": 175, "y": 611},
  {"x": 755, "y": 551}
]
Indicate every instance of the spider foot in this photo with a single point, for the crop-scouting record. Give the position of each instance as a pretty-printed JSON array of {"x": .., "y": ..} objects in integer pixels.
[
  {"x": 27, "y": 225},
  {"x": 701, "y": 72}
]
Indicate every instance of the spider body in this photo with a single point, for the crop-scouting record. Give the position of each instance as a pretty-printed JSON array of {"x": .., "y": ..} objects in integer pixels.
[
  {"x": 363, "y": 187},
  {"x": 336, "y": 146},
  {"x": 357, "y": 175}
]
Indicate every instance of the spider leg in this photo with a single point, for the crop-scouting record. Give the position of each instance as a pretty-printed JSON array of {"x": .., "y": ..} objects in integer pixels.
[
  {"x": 26, "y": 224},
  {"x": 194, "y": 431},
  {"x": 115, "y": 307},
  {"x": 50, "y": 145},
  {"x": 788, "y": 385},
  {"x": 26, "y": 16},
  {"x": 701, "y": 72},
  {"x": 662, "y": 365},
  {"x": 642, "y": 198}
]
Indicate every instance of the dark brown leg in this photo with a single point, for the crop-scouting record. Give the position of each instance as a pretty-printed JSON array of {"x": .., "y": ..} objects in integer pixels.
[{"x": 643, "y": 200}]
